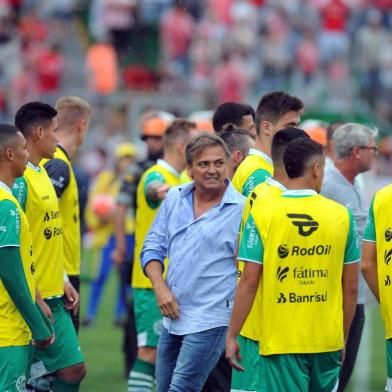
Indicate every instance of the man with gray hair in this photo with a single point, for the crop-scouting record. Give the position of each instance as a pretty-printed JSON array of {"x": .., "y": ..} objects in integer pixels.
[
  {"x": 196, "y": 228},
  {"x": 355, "y": 149}
]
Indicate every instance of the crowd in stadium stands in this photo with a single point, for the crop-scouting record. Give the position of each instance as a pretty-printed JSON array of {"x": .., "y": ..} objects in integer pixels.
[{"x": 229, "y": 49}]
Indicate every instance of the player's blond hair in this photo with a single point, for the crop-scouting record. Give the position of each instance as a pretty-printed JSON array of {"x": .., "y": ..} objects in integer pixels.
[{"x": 70, "y": 110}]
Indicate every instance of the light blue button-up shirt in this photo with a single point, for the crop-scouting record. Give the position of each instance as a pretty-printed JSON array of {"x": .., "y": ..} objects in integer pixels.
[{"x": 202, "y": 272}]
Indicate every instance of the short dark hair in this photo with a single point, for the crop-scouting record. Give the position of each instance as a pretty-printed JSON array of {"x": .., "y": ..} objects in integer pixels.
[
  {"x": 177, "y": 130},
  {"x": 8, "y": 133},
  {"x": 231, "y": 112},
  {"x": 281, "y": 140},
  {"x": 297, "y": 155},
  {"x": 235, "y": 138},
  {"x": 33, "y": 114},
  {"x": 200, "y": 143},
  {"x": 274, "y": 105}
]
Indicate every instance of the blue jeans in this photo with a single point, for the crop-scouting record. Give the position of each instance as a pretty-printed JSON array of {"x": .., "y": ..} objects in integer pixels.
[{"x": 185, "y": 361}]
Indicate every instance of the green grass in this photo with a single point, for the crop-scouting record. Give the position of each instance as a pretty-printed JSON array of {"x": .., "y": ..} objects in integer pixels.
[{"x": 102, "y": 345}]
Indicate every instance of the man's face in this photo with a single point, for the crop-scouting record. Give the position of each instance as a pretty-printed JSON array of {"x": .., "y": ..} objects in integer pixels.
[
  {"x": 288, "y": 120},
  {"x": 366, "y": 156},
  {"x": 154, "y": 145},
  {"x": 49, "y": 139},
  {"x": 248, "y": 125},
  {"x": 85, "y": 123},
  {"x": 209, "y": 169},
  {"x": 21, "y": 155}
]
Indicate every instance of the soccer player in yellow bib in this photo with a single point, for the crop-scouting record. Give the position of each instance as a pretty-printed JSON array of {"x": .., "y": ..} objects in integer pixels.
[
  {"x": 152, "y": 189},
  {"x": 276, "y": 110},
  {"x": 376, "y": 263},
  {"x": 20, "y": 319},
  {"x": 36, "y": 195},
  {"x": 73, "y": 117},
  {"x": 306, "y": 248},
  {"x": 264, "y": 195}
]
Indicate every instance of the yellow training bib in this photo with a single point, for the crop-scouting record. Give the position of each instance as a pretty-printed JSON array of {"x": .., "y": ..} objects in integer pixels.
[
  {"x": 13, "y": 329},
  {"x": 144, "y": 217}
]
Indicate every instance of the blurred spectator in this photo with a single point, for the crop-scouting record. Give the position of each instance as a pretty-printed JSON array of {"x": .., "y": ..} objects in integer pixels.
[
  {"x": 231, "y": 83},
  {"x": 176, "y": 33},
  {"x": 102, "y": 67}
]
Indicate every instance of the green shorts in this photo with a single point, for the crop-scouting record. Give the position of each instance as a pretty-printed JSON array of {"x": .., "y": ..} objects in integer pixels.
[
  {"x": 148, "y": 318},
  {"x": 15, "y": 363},
  {"x": 302, "y": 372},
  {"x": 65, "y": 351},
  {"x": 252, "y": 379}
]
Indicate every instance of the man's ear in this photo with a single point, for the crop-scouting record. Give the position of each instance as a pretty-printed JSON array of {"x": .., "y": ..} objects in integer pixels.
[
  {"x": 7, "y": 154},
  {"x": 266, "y": 128}
]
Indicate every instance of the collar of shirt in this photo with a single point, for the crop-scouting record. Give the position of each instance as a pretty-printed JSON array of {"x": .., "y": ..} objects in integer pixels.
[
  {"x": 299, "y": 193},
  {"x": 271, "y": 181},
  {"x": 168, "y": 167},
  {"x": 31, "y": 166},
  {"x": 5, "y": 187},
  {"x": 261, "y": 154},
  {"x": 231, "y": 196}
]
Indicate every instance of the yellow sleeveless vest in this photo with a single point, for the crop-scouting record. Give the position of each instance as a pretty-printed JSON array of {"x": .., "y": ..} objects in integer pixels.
[
  {"x": 266, "y": 194},
  {"x": 69, "y": 207},
  {"x": 302, "y": 274},
  {"x": 13, "y": 329},
  {"x": 249, "y": 165},
  {"x": 42, "y": 208},
  {"x": 382, "y": 208},
  {"x": 144, "y": 217}
]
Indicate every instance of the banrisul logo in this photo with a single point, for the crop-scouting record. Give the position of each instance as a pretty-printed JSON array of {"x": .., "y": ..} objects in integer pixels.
[
  {"x": 299, "y": 298},
  {"x": 282, "y": 299},
  {"x": 281, "y": 273},
  {"x": 305, "y": 223},
  {"x": 283, "y": 251},
  {"x": 388, "y": 234}
]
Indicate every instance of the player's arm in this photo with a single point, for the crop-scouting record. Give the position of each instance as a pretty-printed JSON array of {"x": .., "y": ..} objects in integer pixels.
[
  {"x": 59, "y": 174},
  {"x": 155, "y": 189},
  {"x": 350, "y": 277},
  {"x": 252, "y": 253},
  {"x": 14, "y": 280},
  {"x": 369, "y": 255},
  {"x": 256, "y": 178}
]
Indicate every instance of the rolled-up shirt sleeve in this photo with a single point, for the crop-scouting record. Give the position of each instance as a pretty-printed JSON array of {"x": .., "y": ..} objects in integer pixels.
[{"x": 156, "y": 242}]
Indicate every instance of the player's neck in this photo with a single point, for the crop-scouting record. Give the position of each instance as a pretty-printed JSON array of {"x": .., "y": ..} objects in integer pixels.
[
  {"x": 280, "y": 175},
  {"x": 300, "y": 183},
  {"x": 35, "y": 157},
  {"x": 7, "y": 176},
  {"x": 174, "y": 162},
  {"x": 67, "y": 142},
  {"x": 262, "y": 146}
]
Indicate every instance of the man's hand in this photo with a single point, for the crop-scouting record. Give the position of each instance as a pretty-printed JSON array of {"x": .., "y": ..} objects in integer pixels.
[
  {"x": 117, "y": 256},
  {"x": 44, "y": 307},
  {"x": 162, "y": 190},
  {"x": 71, "y": 297},
  {"x": 44, "y": 343},
  {"x": 167, "y": 302},
  {"x": 233, "y": 354}
]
